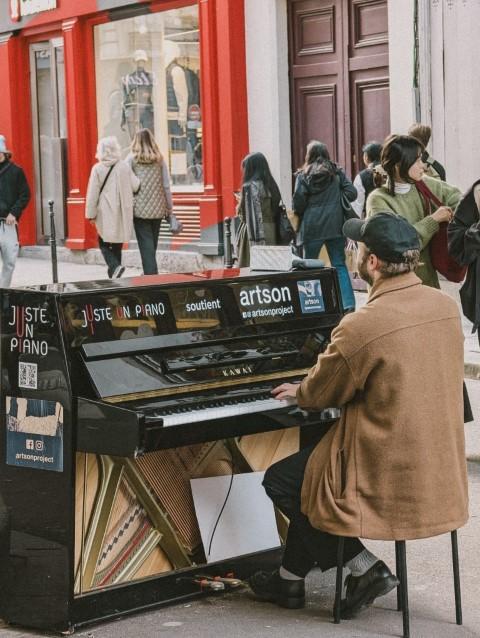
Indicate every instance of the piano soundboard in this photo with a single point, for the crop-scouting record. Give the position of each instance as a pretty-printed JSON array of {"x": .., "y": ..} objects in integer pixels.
[{"x": 115, "y": 394}]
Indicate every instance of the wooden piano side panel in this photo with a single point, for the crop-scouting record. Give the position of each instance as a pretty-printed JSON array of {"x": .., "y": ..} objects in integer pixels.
[
  {"x": 265, "y": 449},
  {"x": 87, "y": 482}
]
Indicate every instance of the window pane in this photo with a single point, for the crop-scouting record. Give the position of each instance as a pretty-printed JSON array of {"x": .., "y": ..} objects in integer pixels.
[{"x": 148, "y": 76}]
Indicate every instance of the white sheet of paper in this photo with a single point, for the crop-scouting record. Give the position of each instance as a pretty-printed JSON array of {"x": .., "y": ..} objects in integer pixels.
[{"x": 247, "y": 523}]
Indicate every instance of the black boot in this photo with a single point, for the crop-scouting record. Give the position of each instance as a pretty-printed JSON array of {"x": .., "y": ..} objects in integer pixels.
[
  {"x": 271, "y": 587},
  {"x": 362, "y": 590}
]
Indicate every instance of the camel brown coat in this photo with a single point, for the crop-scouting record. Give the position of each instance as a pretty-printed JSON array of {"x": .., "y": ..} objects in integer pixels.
[{"x": 393, "y": 467}]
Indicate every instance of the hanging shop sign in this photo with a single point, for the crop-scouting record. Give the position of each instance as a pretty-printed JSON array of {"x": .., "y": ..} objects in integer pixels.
[{"x": 20, "y": 8}]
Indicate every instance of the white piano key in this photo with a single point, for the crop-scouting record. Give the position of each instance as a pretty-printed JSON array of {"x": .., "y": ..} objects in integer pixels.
[{"x": 225, "y": 411}]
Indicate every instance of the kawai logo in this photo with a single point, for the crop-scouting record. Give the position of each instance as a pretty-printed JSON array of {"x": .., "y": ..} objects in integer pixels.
[
  {"x": 237, "y": 371},
  {"x": 19, "y": 8}
]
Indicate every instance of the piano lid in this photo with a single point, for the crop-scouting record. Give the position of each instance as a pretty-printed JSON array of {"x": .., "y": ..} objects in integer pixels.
[
  {"x": 198, "y": 307},
  {"x": 198, "y": 331},
  {"x": 139, "y": 280}
]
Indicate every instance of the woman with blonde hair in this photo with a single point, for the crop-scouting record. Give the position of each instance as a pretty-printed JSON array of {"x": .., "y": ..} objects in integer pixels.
[
  {"x": 153, "y": 202},
  {"x": 109, "y": 203}
]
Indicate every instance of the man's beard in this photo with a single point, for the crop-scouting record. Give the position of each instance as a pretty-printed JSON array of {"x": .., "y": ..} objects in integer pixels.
[{"x": 362, "y": 270}]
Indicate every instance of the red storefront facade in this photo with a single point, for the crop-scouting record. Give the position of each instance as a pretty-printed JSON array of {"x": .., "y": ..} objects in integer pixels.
[{"x": 65, "y": 42}]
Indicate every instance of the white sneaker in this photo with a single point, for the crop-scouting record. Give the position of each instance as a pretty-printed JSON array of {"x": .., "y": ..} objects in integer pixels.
[{"x": 118, "y": 272}]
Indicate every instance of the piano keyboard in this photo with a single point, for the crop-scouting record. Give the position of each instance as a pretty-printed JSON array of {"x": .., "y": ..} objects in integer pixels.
[
  {"x": 233, "y": 405},
  {"x": 226, "y": 411}
]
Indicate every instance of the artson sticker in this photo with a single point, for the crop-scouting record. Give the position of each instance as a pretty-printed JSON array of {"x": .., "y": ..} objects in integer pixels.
[{"x": 34, "y": 433}]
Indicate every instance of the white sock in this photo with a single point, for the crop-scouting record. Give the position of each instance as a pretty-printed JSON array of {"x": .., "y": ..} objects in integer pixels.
[
  {"x": 284, "y": 573},
  {"x": 361, "y": 563}
]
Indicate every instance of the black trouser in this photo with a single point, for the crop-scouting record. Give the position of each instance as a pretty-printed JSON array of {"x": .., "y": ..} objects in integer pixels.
[
  {"x": 306, "y": 546},
  {"x": 112, "y": 253},
  {"x": 147, "y": 231}
]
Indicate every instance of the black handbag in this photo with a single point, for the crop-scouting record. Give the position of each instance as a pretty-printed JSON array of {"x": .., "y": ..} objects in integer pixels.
[
  {"x": 348, "y": 212},
  {"x": 286, "y": 232}
]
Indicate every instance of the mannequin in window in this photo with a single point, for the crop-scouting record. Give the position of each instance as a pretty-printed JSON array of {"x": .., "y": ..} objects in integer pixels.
[
  {"x": 183, "y": 109},
  {"x": 177, "y": 98},
  {"x": 137, "y": 108}
]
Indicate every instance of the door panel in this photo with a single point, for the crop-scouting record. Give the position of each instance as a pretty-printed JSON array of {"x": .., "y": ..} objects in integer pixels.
[
  {"x": 50, "y": 133},
  {"x": 339, "y": 76},
  {"x": 317, "y": 107},
  {"x": 316, "y": 76},
  {"x": 368, "y": 26},
  {"x": 368, "y": 75}
]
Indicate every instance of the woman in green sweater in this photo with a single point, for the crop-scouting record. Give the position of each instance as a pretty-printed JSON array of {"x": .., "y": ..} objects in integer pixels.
[{"x": 403, "y": 166}]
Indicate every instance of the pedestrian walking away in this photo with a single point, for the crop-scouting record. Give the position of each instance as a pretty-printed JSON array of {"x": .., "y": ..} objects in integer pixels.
[
  {"x": 317, "y": 200},
  {"x": 14, "y": 197},
  {"x": 403, "y": 168},
  {"x": 464, "y": 246},
  {"x": 363, "y": 182},
  {"x": 109, "y": 202},
  {"x": 153, "y": 201},
  {"x": 374, "y": 475},
  {"x": 258, "y": 208}
]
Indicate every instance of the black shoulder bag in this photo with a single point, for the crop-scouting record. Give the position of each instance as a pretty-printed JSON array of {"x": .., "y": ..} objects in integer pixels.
[
  {"x": 286, "y": 231},
  {"x": 105, "y": 180}
]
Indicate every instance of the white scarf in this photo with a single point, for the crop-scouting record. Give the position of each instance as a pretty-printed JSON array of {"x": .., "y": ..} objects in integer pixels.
[{"x": 402, "y": 188}]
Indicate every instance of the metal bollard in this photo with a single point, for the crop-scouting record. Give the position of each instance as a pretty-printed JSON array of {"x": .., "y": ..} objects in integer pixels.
[
  {"x": 227, "y": 240},
  {"x": 53, "y": 241}
]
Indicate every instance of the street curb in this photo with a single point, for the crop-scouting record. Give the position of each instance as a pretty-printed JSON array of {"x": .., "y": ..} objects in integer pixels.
[{"x": 167, "y": 260}]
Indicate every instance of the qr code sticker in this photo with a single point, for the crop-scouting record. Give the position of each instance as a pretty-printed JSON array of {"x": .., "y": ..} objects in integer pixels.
[{"x": 27, "y": 375}]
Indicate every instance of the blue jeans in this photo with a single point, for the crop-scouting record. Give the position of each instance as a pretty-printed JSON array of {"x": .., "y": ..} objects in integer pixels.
[{"x": 336, "y": 252}]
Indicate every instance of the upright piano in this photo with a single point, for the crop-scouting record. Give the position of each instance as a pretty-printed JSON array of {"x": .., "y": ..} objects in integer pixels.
[{"x": 114, "y": 395}]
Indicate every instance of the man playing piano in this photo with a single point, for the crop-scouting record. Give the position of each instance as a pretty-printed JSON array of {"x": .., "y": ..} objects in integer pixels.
[{"x": 393, "y": 466}]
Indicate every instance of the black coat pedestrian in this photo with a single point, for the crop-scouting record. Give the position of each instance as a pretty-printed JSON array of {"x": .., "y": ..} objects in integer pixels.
[
  {"x": 14, "y": 190},
  {"x": 464, "y": 246},
  {"x": 317, "y": 201}
]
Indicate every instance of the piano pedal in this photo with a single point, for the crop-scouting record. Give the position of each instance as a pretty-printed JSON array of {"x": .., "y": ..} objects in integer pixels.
[
  {"x": 228, "y": 580},
  {"x": 203, "y": 583}
]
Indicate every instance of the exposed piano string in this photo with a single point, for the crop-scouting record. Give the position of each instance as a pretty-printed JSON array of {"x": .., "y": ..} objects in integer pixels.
[
  {"x": 168, "y": 473},
  {"x": 124, "y": 542},
  {"x": 129, "y": 534}
]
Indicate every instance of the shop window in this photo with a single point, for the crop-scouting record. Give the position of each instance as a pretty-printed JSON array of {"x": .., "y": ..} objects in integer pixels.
[{"x": 148, "y": 76}]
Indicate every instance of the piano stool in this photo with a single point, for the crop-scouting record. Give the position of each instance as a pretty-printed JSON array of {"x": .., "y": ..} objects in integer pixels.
[{"x": 402, "y": 589}]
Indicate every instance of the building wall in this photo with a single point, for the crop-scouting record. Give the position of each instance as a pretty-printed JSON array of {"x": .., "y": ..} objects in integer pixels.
[
  {"x": 268, "y": 87},
  {"x": 455, "y": 41},
  {"x": 449, "y": 50},
  {"x": 400, "y": 54}
]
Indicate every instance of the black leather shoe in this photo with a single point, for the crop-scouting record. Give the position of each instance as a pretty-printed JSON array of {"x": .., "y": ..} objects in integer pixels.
[
  {"x": 269, "y": 586},
  {"x": 362, "y": 590}
]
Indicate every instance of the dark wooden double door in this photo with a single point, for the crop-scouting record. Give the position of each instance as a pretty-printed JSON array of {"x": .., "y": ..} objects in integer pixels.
[{"x": 339, "y": 76}]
